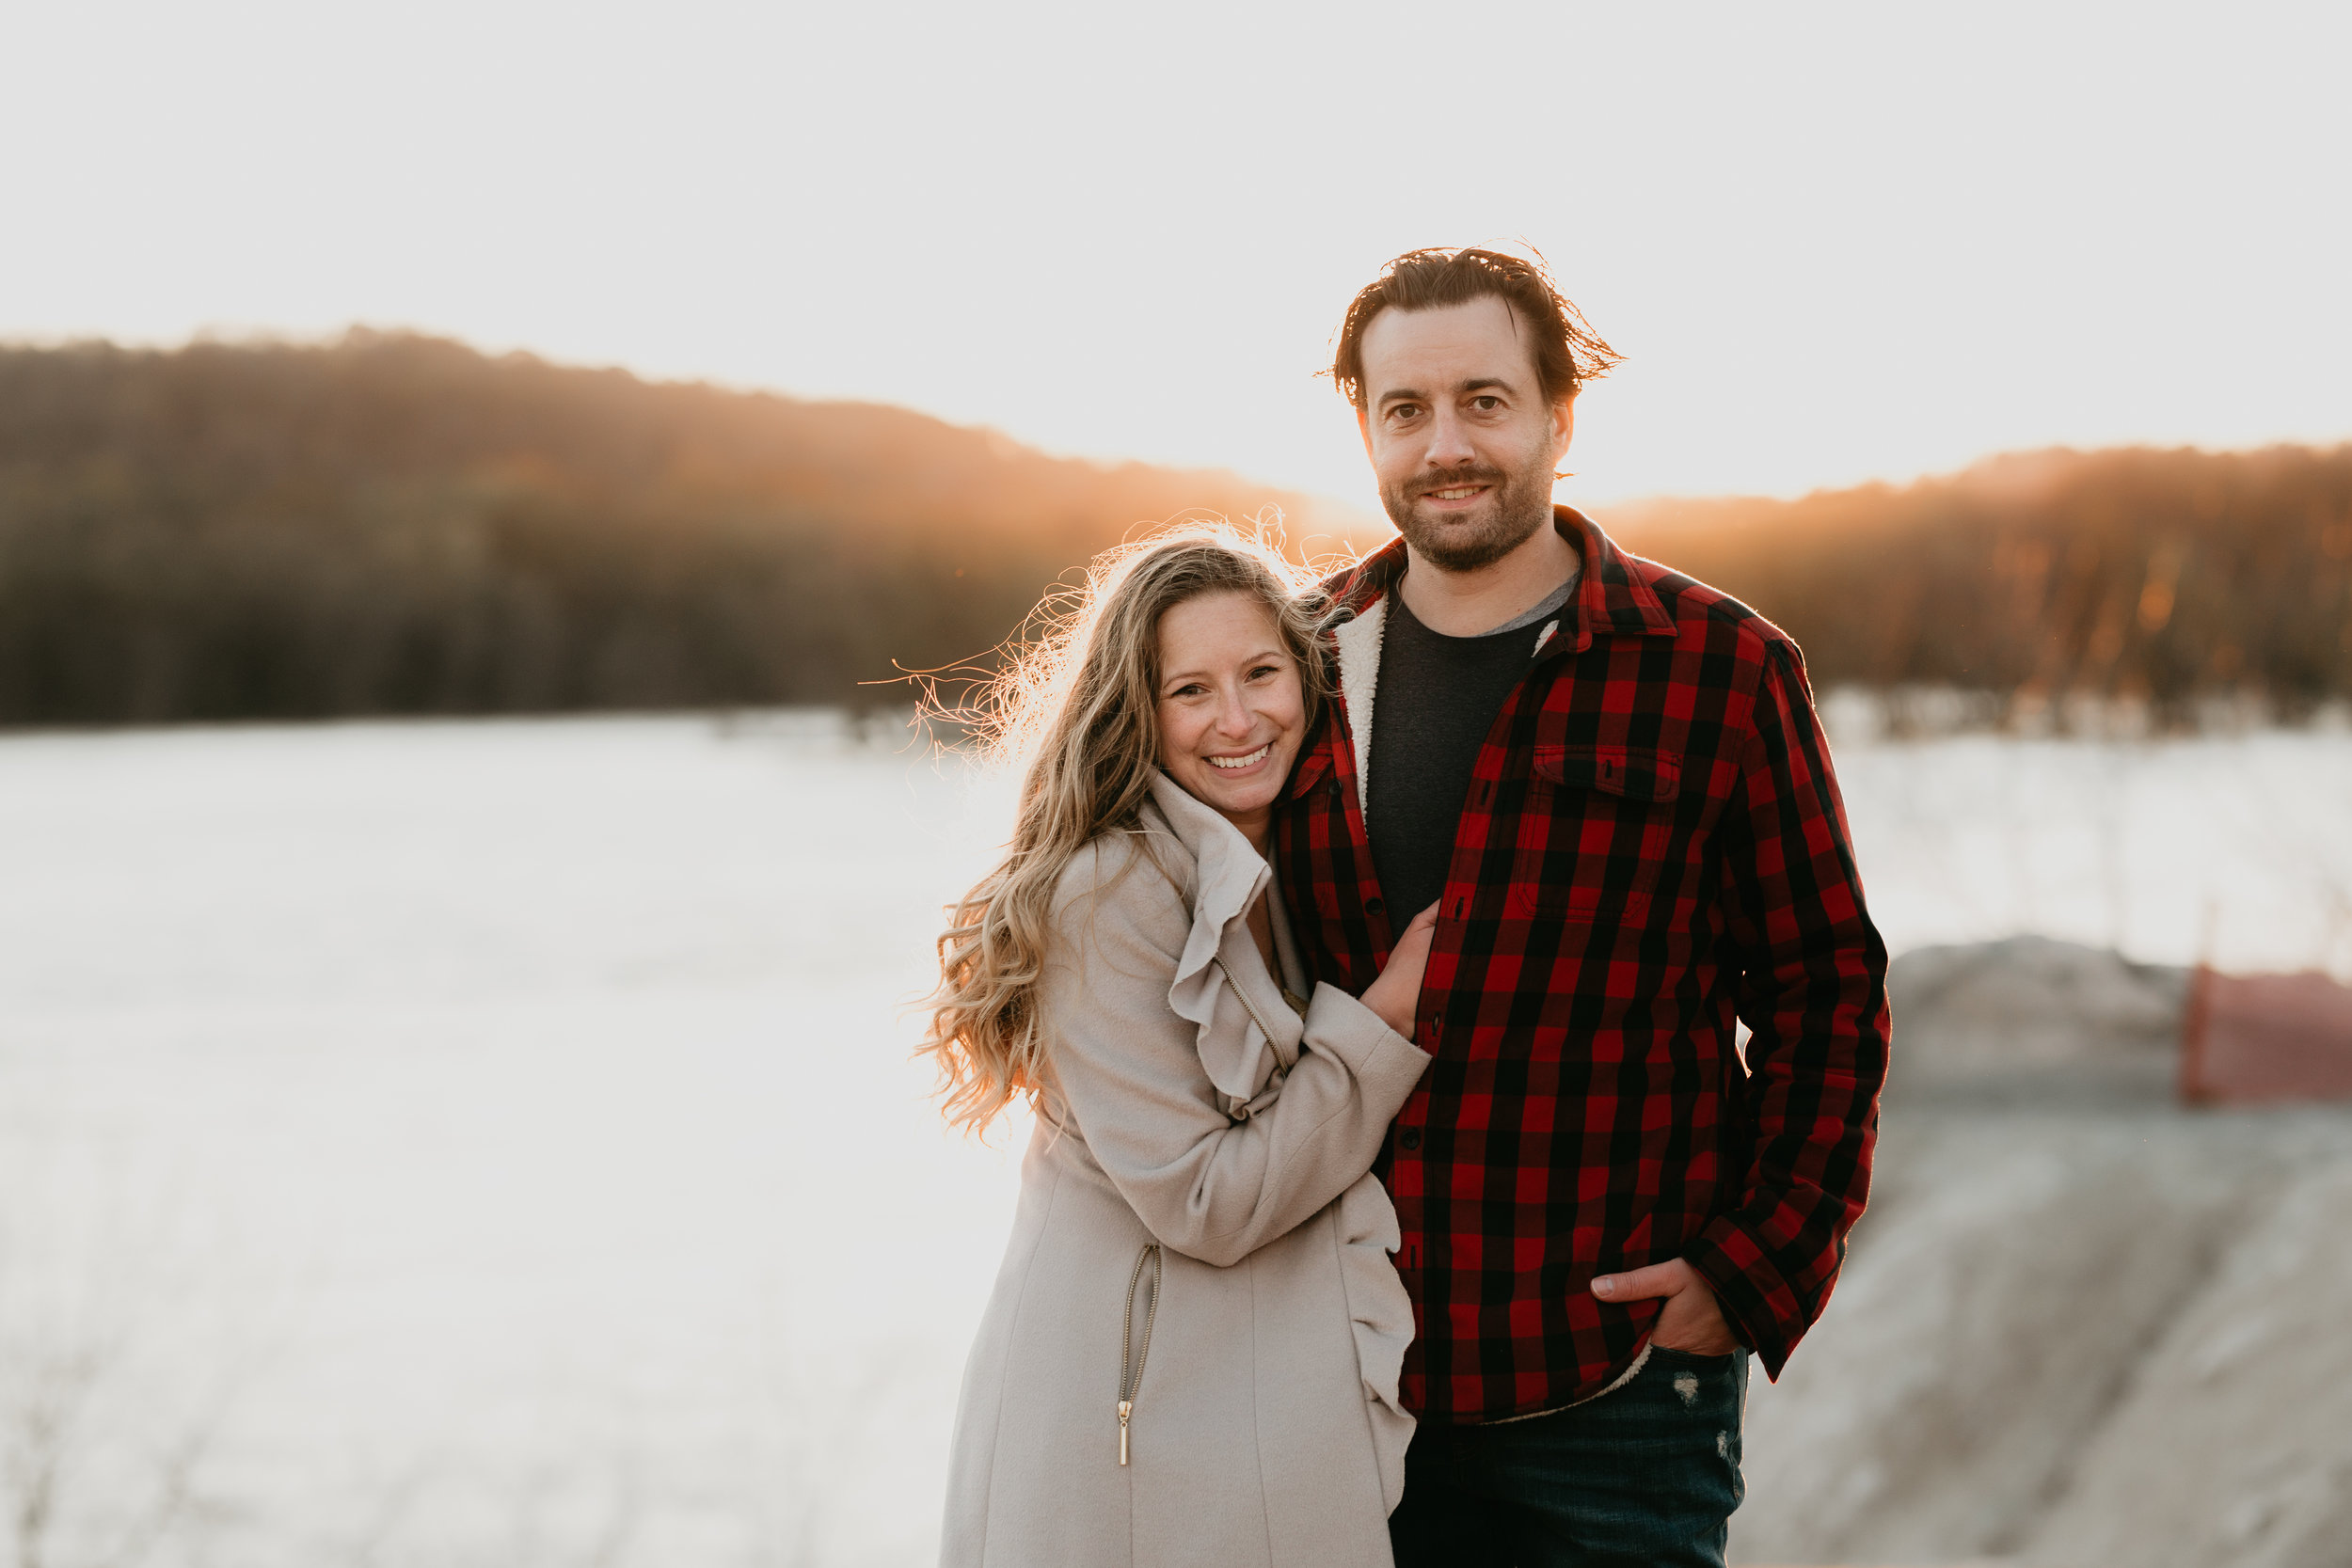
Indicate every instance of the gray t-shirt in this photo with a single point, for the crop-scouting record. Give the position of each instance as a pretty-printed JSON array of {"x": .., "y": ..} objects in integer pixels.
[{"x": 1438, "y": 697}]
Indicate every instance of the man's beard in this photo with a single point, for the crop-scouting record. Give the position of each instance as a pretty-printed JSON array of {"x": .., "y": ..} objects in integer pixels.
[{"x": 1519, "y": 504}]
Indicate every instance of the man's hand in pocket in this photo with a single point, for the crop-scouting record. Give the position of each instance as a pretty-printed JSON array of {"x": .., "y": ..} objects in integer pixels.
[{"x": 1690, "y": 1321}]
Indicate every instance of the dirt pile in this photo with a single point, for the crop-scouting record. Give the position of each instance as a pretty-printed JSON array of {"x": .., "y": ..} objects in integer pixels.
[
  {"x": 2032, "y": 1021},
  {"x": 2079, "y": 1326}
]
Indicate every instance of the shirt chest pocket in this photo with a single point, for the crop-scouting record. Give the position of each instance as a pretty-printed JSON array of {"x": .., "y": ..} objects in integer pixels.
[{"x": 1596, "y": 829}]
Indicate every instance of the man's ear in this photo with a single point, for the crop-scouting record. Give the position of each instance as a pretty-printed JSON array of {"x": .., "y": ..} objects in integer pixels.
[
  {"x": 1562, "y": 427},
  {"x": 1363, "y": 428}
]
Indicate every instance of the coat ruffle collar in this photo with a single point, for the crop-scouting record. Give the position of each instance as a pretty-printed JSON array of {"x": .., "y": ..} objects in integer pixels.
[{"x": 1221, "y": 972}]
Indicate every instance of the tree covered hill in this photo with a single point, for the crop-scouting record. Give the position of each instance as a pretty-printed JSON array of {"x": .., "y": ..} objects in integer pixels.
[
  {"x": 2139, "y": 574},
  {"x": 397, "y": 524}
]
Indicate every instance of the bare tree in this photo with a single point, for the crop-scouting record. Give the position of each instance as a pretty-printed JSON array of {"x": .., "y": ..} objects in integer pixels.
[{"x": 121, "y": 1369}]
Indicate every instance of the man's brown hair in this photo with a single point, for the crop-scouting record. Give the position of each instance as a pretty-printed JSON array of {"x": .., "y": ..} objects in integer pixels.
[{"x": 1569, "y": 352}]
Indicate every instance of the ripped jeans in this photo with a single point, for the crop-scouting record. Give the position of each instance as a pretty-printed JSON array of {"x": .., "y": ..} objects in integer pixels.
[{"x": 1648, "y": 1475}]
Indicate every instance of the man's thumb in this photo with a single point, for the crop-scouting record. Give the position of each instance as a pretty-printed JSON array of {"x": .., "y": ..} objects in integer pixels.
[{"x": 1638, "y": 1285}]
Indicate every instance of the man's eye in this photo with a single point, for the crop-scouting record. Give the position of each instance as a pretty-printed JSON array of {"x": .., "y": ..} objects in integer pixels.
[
  {"x": 1485, "y": 406},
  {"x": 1404, "y": 410}
]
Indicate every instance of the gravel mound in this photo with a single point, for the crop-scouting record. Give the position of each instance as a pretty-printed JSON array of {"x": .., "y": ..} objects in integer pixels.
[
  {"x": 2080, "y": 1326},
  {"x": 2028, "y": 1022}
]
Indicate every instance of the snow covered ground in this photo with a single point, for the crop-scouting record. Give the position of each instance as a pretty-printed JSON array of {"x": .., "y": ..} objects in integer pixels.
[{"x": 494, "y": 1143}]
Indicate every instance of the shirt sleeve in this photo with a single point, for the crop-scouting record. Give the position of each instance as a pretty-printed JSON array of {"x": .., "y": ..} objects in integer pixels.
[
  {"x": 1129, "y": 1069},
  {"x": 1812, "y": 991}
]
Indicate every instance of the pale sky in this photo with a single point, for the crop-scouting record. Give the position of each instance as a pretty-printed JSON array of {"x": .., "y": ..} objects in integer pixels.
[{"x": 1836, "y": 243}]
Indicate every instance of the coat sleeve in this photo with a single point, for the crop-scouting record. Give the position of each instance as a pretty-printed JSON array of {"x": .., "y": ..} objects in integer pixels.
[
  {"x": 1813, "y": 994},
  {"x": 1129, "y": 1067}
]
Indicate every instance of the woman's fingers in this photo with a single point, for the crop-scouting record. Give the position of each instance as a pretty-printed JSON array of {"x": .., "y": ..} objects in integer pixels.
[
  {"x": 1395, "y": 992},
  {"x": 1415, "y": 939}
]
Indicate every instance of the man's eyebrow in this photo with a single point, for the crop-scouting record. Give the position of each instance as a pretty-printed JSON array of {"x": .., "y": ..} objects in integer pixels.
[{"x": 1475, "y": 384}]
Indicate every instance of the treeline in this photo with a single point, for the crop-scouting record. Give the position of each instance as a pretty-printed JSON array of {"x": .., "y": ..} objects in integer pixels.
[
  {"x": 2155, "y": 576},
  {"x": 397, "y": 524}
]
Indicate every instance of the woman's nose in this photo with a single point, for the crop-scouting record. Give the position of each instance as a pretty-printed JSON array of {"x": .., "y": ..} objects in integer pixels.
[{"x": 1234, "y": 716}]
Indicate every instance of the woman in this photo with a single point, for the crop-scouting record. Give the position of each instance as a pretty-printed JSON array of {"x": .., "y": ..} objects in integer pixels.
[{"x": 1191, "y": 1354}]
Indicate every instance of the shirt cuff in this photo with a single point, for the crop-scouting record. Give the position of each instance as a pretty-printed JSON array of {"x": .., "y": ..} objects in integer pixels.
[{"x": 1755, "y": 1298}]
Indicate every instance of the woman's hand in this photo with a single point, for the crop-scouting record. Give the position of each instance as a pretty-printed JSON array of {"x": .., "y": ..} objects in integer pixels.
[{"x": 1396, "y": 995}]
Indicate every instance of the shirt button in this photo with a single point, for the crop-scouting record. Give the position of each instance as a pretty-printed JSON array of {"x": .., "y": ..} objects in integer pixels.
[
  {"x": 1409, "y": 1138},
  {"x": 1373, "y": 906}
]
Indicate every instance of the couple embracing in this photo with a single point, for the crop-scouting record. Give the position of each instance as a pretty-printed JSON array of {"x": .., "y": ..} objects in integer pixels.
[{"x": 1373, "y": 956}]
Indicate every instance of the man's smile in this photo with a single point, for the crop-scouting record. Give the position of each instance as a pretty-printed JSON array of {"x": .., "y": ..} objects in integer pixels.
[{"x": 1463, "y": 489}]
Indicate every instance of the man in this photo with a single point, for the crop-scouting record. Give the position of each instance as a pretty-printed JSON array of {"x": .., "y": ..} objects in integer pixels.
[{"x": 1611, "y": 780}]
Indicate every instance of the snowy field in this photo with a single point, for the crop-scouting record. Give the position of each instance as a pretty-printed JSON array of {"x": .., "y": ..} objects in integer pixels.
[{"x": 494, "y": 1143}]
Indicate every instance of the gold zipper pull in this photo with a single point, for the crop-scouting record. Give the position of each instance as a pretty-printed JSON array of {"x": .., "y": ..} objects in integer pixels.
[{"x": 1126, "y": 1408}]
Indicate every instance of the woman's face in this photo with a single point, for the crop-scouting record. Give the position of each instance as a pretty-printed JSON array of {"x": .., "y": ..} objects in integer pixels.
[{"x": 1231, "y": 711}]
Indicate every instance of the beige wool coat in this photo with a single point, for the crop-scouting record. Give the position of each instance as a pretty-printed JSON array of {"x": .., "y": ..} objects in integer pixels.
[{"x": 1189, "y": 1107}]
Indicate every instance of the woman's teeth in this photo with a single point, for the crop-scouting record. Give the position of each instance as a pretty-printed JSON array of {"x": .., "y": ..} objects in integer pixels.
[{"x": 1258, "y": 755}]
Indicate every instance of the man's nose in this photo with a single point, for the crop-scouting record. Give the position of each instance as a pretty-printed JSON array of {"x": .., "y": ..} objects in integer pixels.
[{"x": 1449, "y": 441}]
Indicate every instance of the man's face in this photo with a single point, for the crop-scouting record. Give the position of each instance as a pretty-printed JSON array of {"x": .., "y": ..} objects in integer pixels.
[{"x": 1458, "y": 432}]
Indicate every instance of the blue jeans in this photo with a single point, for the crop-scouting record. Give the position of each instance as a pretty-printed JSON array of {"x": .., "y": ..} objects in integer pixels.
[{"x": 1644, "y": 1477}]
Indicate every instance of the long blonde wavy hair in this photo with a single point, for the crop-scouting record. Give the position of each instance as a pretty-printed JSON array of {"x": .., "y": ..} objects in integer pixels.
[{"x": 1078, "y": 710}]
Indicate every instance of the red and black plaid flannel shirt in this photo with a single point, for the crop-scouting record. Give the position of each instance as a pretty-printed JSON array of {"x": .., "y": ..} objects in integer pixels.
[{"x": 1653, "y": 845}]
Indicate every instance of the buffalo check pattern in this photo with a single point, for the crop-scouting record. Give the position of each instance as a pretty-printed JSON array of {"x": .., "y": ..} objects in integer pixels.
[{"x": 1653, "y": 847}]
